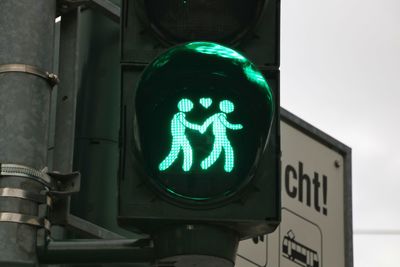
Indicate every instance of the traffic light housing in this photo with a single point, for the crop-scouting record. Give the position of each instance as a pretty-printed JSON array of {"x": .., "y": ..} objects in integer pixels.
[
  {"x": 252, "y": 27},
  {"x": 193, "y": 82}
]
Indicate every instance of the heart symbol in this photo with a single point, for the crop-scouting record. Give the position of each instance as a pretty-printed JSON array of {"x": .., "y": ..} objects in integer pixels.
[{"x": 206, "y": 102}]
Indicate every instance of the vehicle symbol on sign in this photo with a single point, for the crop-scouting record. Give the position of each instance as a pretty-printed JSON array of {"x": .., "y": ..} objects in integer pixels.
[{"x": 298, "y": 252}]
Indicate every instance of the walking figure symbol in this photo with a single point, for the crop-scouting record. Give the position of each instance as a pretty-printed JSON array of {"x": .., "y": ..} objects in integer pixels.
[
  {"x": 179, "y": 139},
  {"x": 219, "y": 124}
]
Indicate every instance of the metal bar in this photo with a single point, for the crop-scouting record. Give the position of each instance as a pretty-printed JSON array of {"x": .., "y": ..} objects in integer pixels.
[
  {"x": 96, "y": 251},
  {"x": 64, "y": 133},
  {"x": 79, "y": 225},
  {"x": 108, "y": 8},
  {"x": 377, "y": 232},
  {"x": 69, "y": 70}
]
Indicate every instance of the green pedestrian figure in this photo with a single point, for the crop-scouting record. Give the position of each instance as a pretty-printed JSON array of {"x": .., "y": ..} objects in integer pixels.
[
  {"x": 221, "y": 141},
  {"x": 179, "y": 139}
]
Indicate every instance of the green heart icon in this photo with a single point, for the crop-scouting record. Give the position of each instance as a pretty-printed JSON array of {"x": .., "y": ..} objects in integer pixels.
[{"x": 206, "y": 102}]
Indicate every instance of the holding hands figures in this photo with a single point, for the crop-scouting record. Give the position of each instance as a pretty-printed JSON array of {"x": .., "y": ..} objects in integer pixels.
[{"x": 219, "y": 124}]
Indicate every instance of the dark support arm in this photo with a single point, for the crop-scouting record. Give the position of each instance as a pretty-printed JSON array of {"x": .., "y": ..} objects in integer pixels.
[{"x": 96, "y": 251}]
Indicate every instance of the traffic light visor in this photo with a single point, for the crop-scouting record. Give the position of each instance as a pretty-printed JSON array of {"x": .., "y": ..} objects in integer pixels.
[{"x": 224, "y": 21}]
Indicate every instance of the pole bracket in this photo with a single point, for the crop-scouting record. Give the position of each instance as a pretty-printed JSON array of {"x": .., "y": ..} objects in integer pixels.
[
  {"x": 51, "y": 78},
  {"x": 57, "y": 183},
  {"x": 56, "y": 186}
]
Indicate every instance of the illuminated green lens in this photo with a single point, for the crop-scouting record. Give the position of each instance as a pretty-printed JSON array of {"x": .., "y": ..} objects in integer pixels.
[{"x": 203, "y": 112}]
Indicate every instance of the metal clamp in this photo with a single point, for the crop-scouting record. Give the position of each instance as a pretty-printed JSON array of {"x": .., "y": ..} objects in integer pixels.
[
  {"x": 26, "y": 172},
  {"x": 23, "y": 194},
  {"x": 57, "y": 183},
  {"x": 57, "y": 187},
  {"x": 25, "y": 219},
  {"x": 50, "y": 77},
  {"x": 43, "y": 199}
]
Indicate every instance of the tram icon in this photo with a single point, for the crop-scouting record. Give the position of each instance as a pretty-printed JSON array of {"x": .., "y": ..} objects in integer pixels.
[{"x": 297, "y": 252}]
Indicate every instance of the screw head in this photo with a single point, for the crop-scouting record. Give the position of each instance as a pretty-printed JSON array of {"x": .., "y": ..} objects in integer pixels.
[{"x": 337, "y": 163}]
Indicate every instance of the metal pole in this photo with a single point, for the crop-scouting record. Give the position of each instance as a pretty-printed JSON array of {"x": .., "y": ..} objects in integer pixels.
[{"x": 27, "y": 35}]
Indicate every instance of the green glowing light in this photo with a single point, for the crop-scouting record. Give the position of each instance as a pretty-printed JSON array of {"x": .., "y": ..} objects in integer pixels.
[
  {"x": 255, "y": 76},
  {"x": 249, "y": 69},
  {"x": 201, "y": 121},
  {"x": 179, "y": 139},
  {"x": 221, "y": 142},
  {"x": 216, "y": 49},
  {"x": 219, "y": 124},
  {"x": 205, "y": 102},
  {"x": 208, "y": 48}
]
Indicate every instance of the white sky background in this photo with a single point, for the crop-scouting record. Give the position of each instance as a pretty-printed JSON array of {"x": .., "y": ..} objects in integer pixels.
[{"x": 340, "y": 71}]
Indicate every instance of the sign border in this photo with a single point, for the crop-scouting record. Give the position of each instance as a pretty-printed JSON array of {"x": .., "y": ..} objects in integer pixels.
[{"x": 345, "y": 152}]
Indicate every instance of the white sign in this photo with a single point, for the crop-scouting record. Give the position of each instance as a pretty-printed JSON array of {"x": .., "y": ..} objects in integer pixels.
[{"x": 312, "y": 231}]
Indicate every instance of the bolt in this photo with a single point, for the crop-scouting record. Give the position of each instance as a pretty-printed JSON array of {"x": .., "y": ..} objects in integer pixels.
[{"x": 337, "y": 163}]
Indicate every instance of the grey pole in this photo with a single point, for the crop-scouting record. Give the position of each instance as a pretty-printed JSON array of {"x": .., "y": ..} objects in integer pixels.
[{"x": 27, "y": 36}]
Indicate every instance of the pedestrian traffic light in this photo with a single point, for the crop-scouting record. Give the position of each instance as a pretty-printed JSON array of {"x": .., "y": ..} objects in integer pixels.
[
  {"x": 200, "y": 142},
  {"x": 197, "y": 142}
]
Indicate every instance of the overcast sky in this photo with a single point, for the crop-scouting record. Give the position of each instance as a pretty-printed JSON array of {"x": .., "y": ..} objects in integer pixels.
[{"x": 340, "y": 71}]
